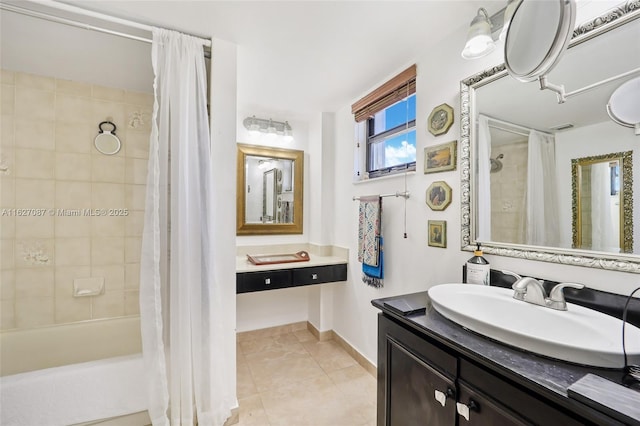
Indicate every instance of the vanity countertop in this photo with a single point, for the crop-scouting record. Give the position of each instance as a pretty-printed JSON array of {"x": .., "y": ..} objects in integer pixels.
[
  {"x": 549, "y": 377},
  {"x": 243, "y": 264}
]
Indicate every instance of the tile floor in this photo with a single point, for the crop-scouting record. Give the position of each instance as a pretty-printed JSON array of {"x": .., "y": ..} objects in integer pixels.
[{"x": 292, "y": 379}]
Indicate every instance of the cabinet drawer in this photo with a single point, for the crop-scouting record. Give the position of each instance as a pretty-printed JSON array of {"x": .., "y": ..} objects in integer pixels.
[
  {"x": 258, "y": 281},
  {"x": 319, "y": 274}
]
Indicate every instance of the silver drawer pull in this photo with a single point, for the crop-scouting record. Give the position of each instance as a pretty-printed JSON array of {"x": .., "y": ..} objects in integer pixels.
[
  {"x": 440, "y": 397},
  {"x": 267, "y": 280},
  {"x": 314, "y": 276}
]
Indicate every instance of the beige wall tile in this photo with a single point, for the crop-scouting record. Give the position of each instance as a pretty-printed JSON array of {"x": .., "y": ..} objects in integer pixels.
[
  {"x": 132, "y": 249},
  {"x": 136, "y": 172},
  {"x": 35, "y": 226},
  {"x": 7, "y": 315},
  {"x": 73, "y": 166},
  {"x": 132, "y": 276},
  {"x": 75, "y": 137},
  {"x": 139, "y": 98},
  {"x": 107, "y": 169},
  {"x": 34, "y": 193},
  {"x": 34, "y": 312},
  {"x": 34, "y": 164},
  {"x": 73, "y": 109},
  {"x": 131, "y": 303},
  {"x": 7, "y": 77},
  {"x": 7, "y": 254},
  {"x": 35, "y": 81},
  {"x": 64, "y": 279},
  {"x": 107, "y": 251},
  {"x": 7, "y": 95},
  {"x": 134, "y": 223},
  {"x": 108, "y": 226},
  {"x": 139, "y": 117},
  {"x": 7, "y": 192},
  {"x": 108, "y": 305},
  {"x": 7, "y": 162},
  {"x": 137, "y": 145},
  {"x": 108, "y": 93},
  {"x": 35, "y": 104},
  {"x": 72, "y": 226},
  {"x": 73, "y": 195},
  {"x": 34, "y": 282},
  {"x": 135, "y": 197},
  {"x": 113, "y": 276},
  {"x": 7, "y": 132},
  {"x": 35, "y": 134},
  {"x": 109, "y": 111},
  {"x": 7, "y": 284},
  {"x": 73, "y": 88},
  {"x": 34, "y": 252},
  {"x": 107, "y": 196},
  {"x": 7, "y": 227},
  {"x": 71, "y": 309},
  {"x": 73, "y": 251}
]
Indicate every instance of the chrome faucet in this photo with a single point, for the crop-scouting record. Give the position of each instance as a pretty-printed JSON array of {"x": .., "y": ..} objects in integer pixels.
[{"x": 532, "y": 291}]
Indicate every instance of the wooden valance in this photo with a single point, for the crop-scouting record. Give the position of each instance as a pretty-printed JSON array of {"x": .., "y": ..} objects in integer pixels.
[{"x": 394, "y": 90}]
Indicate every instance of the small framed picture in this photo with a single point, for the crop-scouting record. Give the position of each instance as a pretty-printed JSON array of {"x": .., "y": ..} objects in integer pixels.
[
  {"x": 440, "y": 158},
  {"x": 440, "y": 120},
  {"x": 438, "y": 233},
  {"x": 438, "y": 195}
]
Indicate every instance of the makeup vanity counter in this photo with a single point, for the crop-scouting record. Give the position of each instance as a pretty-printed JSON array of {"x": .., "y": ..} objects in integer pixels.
[
  {"x": 325, "y": 264},
  {"x": 430, "y": 367}
]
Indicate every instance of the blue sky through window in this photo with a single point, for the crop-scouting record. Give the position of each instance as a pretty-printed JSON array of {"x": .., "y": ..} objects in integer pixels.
[{"x": 400, "y": 149}]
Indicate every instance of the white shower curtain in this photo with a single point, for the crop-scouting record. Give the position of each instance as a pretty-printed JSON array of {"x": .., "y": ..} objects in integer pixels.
[
  {"x": 542, "y": 226},
  {"x": 484, "y": 179},
  {"x": 187, "y": 372}
]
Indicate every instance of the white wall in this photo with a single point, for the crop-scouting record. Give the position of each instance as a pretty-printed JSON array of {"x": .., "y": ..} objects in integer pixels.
[{"x": 410, "y": 265}]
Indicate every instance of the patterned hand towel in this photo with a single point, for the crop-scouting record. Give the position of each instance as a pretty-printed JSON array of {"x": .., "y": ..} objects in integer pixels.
[{"x": 369, "y": 240}]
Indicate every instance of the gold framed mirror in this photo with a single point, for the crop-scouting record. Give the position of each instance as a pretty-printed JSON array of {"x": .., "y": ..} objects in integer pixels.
[
  {"x": 269, "y": 190},
  {"x": 602, "y": 202}
]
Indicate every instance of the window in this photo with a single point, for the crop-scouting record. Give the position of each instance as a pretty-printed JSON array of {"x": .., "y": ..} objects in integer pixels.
[
  {"x": 385, "y": 127},
  {"x": 391, "y": 139}
]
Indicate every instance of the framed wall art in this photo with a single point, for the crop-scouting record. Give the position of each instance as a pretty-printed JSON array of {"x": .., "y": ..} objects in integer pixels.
[
  {"x": 437, "y": 233},
  {"x": 440, "y": 158},
  {"x": 438, "y": 195},
  {"x": 440, "y": 120}
]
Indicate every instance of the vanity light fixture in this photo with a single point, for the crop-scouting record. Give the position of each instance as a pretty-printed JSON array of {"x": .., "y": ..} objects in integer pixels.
[
  {"x": 479, "y": 40},
  {"x": 255, "y": 126}
]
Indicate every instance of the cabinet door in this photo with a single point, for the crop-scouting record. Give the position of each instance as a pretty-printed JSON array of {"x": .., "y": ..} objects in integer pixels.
[
  {"x": 416, "y": 393},
  {"x": 476, "y": 409}
]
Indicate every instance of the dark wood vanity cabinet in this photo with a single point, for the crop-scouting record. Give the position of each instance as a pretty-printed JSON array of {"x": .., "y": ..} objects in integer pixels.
[
  {"x": 422, "y": 382},
  {"x": 282, "y": 278}
]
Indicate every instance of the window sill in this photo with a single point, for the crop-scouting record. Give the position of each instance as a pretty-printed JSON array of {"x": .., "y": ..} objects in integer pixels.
[{"x": 379, "y": 178}]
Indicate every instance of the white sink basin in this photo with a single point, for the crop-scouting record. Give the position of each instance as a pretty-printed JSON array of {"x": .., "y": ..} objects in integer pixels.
[{"x": 579, "y": 335}]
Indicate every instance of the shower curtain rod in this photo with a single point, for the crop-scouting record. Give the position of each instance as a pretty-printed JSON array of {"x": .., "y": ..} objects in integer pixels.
[
  {"x": 85, "y": 12},
  {"x": 515, "y": 132},
  {"x": 517, "y": 126}
]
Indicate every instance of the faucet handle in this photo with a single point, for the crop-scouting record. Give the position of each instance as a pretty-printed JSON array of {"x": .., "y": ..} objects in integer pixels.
[{"x": 556, "y": 296}]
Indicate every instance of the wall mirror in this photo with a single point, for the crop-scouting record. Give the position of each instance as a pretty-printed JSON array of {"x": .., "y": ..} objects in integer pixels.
[
  {"x": 602, "y": 193},
  {"x": 269, "y": 194},
  {"x": 517, "y": 145}
]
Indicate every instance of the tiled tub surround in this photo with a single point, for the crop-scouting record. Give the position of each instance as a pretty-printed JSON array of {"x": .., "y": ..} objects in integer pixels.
[{"x": 48, "y": 161}]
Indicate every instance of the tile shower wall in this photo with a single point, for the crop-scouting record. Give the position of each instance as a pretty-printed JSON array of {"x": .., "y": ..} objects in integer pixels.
[
  {"x": 508, "y": 192},
  {"x": 48, "y": 163}
]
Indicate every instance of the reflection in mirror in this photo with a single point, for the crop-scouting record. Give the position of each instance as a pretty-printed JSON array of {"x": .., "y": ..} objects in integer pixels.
[
  {"x": 518, "y": 143},
  {"x": 601, "y": 202},
  {"x": 269, "y": 194}
]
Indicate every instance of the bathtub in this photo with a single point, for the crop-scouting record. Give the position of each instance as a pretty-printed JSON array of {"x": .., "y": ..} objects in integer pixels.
[{"x": 70, "y": 374}]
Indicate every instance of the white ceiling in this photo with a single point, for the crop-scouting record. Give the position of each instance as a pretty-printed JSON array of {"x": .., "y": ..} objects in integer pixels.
[{"x": 294, "y": 57}]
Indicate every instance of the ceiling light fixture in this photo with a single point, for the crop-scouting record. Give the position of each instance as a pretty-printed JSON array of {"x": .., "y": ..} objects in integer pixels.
[
  {"x": 255, "y": 126},
  {"x": 479, "y": 40}
]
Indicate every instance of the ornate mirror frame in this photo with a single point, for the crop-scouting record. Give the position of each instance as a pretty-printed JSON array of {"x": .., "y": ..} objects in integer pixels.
[
  {"x": 625, "y": 160},
  {"x": 608, "y": 261},
  {"x": 243, "y": 228}
]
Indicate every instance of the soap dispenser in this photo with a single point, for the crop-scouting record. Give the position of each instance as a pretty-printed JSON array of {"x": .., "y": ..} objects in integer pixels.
[{"x": 478, "y": 268}]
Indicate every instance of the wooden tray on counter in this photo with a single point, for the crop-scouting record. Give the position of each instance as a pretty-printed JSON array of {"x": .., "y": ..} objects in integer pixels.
[{"x": 270, "y": 259}]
